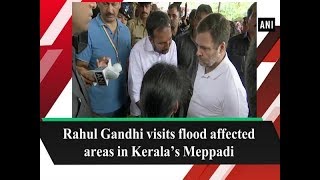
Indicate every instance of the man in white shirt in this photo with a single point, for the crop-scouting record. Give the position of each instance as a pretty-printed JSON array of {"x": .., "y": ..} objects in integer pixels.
[
  {"x": 218, "y": 91},
  {"x": 156, "y": 47}
]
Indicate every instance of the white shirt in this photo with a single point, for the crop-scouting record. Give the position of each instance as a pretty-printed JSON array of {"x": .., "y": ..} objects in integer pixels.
[
  {"x": 218, "y": 93},
  {"x": 141, "y": 59}
]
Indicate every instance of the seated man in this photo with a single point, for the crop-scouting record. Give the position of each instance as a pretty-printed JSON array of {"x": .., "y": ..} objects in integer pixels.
[{"x": 164, "y": 88}]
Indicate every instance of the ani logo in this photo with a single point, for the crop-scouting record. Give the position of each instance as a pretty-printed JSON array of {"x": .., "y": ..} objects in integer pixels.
[{"x": 266, "y": 24}]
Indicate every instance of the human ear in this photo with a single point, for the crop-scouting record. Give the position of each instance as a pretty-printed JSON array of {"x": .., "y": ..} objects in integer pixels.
[{"x": 222, "y": 47}]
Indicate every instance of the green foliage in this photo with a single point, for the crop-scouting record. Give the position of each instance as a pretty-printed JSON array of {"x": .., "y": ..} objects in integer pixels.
[{"x": 231, "y": 10}]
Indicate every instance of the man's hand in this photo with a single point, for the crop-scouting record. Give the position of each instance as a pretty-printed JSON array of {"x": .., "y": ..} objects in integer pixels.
[
  {"x": 103, "y": 61},
  {"x": 86, "y": 75}
]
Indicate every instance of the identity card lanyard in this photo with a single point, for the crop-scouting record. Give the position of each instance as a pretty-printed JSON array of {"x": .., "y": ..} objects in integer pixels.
[{"x": 114, "y": 47}]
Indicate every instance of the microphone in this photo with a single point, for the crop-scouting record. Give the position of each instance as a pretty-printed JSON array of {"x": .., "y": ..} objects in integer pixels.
[
  {"x": 103, "y": 74},
  {"x": 99, "y": 76}
]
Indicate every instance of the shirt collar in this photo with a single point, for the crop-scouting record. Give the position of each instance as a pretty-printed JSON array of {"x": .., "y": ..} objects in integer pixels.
[
  {"x": 147, "y": 44},
  {"x": 101, "y": 23},
  {"x": 220, "y": 69},
  {"x": 139, "y": 21}
]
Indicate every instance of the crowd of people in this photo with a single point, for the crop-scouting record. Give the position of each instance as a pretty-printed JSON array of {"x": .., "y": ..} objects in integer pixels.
[{"x": 172, "y": 65}]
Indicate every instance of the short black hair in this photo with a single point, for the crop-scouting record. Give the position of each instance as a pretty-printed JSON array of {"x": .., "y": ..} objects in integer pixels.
[
  {"x": 192, "y": 14},
  {"x": 143, "y": 3},
  {"x": 204, "y": 8},
  {"x": 217, "y": 25},
  {"x": 251, "y": 9},
  {"x": 162, "y": 87},
  {"x": 157, "y": 19}
]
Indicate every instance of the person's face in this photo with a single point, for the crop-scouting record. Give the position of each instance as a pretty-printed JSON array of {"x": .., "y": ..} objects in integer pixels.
[
  {"x": 122, "y": 18},
  {"x": 174, "y": 16},
  {"x": 109, "y": 11},
  {"x": 161, "y": 40},
  {"x": 144, "y": 10},
  {"x": 208, "y": 52},
  {"x": 252, "y": 23},
  {"x": 81, "y": 16},
  {"x": 199, "y": 17}
]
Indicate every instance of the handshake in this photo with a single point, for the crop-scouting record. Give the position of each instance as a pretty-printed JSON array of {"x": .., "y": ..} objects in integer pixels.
[{"x": 106, "y": 71}]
